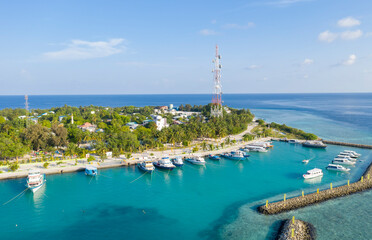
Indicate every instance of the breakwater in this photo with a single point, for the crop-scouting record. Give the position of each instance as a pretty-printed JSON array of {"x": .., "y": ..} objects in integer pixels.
[
  {"x": 285, "y": 205},
  {"x": 348, "y": 144},
  {"x": 293, "y": 229}
]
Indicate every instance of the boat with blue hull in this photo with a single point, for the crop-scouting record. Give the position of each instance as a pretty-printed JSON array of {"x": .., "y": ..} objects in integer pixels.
[
  {"x": 146, "y": 166},
  {"x": 164, "y": 163},
  {"x": 214, "y": 157},
  {"x": 91, "y": 171},
  {"x": 177, "y": 161},
  {"x": 35, "y": 180}
]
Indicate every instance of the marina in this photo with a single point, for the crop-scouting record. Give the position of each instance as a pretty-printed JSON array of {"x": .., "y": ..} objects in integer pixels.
[{"x": 117, "y": 187}]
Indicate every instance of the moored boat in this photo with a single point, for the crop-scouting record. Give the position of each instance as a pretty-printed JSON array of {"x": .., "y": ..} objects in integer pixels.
[
  {"x": 352, "y": 152},
  {"x": 338, "y": 168},
  {"x": 90, "y": 170},
  {"x": 250, "y": 148},
  {"x": 196, "y": 160},
  {"x": 164, "y": 163},
  {"x": 146, "y": 166},
  {"x": 235, "y": 155},
  {"x": 214, "y": 157},
  {"x": 177, "y": 161},
  {"x": 35, "y": 180},
  {"x": 343, "y": 161},
  {"x": 314, "y": 144},
  {"x": 313, "y": 173}
]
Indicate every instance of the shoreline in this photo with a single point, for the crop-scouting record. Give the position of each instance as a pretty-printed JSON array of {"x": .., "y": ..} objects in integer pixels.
[{"x": 68, "y": 166}]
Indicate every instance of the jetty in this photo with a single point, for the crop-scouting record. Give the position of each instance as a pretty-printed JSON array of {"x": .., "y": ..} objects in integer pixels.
[
  {"x": 294, "y": 229},
  {"x": 348, "y": 144},
  {"x": 285, "y": 205}
]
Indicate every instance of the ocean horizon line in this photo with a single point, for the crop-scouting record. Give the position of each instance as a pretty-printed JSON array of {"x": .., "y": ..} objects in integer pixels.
[{"x": 151, "y": 94}]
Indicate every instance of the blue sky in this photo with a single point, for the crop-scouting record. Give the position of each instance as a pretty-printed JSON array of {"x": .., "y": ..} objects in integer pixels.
[{"x": 129, "y": 47}]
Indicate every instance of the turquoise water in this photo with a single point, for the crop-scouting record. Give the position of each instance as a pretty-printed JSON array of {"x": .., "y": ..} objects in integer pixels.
[
  {"x": 183, "y": 204},
  {"x": 217, "y": 201}
]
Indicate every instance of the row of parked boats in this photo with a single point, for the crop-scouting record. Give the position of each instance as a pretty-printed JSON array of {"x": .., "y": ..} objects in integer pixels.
[
  {"x": 169, "y": 163},
  {"x": 35, "y": 180},
  {"x": 346, "y": 157}
]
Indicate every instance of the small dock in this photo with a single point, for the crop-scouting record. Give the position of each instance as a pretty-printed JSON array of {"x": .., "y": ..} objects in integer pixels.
[
  {"x": 285, "y": 205},
  {"x": 348, "y": 144}
]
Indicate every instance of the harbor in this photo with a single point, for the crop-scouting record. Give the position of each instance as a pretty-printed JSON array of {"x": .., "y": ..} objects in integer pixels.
[{"x": 288, "y": 204}]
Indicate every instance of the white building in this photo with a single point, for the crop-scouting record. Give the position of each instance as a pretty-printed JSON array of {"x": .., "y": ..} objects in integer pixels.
[{"x": 160, "y": 122}]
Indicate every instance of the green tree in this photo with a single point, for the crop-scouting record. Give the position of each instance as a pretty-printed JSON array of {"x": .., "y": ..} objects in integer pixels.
[{"x": 38, "y": 136}]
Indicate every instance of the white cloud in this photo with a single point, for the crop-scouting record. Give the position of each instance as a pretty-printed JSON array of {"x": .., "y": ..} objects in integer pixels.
[
  {"x": 351, "y": 60},
  {"x": 351, "y": 35},
  {"x": 348, "y": 22},
  {"x": 308, "y": 61},
  {"x": 306, "y": 76},
  {"x": 79, "y": 49},
  {"x": 207, "y": 32},
  {"x": 253, "y": 66},
  {"x": 237, "y": 26},
  {"x": 327, "y": 36}
]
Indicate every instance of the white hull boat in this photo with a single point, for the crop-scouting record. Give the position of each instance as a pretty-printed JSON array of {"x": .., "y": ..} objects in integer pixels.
[
  {"x": 313, "y": 173},
  {"x": 196, "y": 160},
  {"x": 338, "y": 168},
  {"x": 35, "y": 180}
]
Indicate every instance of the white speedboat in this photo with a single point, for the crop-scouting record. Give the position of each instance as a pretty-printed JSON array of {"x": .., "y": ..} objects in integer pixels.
[
  {"x": 346, "y": 156},
  {"x": 338, "y": 168},
  {"x": 177, "y": 161},
  {"x": 164, "y": 163},
  {"x": 343, "y": 161},
  {"x": 306, "y": 161},
  {"x": 146, "y": 166},
  {"x": 352, "y": 152},
  {"x": 349, "y": 154},
  {"x": 294, "y": 141},
  {"x": 313, "y": 173},
  {"x": 196, "y": 160},
  {"x": 35, "y": 180}
]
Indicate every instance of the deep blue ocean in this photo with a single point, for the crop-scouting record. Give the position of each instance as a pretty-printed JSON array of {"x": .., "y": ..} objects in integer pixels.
[{"x": 212, "y": 202}]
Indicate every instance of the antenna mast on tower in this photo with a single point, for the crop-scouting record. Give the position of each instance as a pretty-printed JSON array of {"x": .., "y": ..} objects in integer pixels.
[
  {"x": 26, "y": 106},
  {"x": 216, "y": 110}
]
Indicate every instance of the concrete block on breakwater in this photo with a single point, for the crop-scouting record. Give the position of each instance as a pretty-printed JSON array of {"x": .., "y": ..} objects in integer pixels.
[
  {"x": 301, "y": 230},
  {"x": 302, "y": 201}
]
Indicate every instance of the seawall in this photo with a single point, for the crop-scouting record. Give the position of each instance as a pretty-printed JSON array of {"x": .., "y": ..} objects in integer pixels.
[
  {"x": 285, "y": 205},
  {"x": 348, "y": 144}
]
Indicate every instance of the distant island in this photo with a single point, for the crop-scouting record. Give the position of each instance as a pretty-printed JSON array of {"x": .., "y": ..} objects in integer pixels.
[{"x": 43, "y": 135}]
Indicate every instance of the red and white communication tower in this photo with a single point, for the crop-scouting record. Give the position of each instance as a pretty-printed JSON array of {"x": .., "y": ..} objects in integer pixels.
[{"x": 216, "y": 110}]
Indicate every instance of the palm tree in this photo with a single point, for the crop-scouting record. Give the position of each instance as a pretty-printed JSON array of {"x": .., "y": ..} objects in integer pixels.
[{"x": 204, "y": 145}]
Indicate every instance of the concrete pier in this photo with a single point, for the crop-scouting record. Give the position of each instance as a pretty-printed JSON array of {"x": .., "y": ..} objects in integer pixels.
[{"x": 285, "y": 205}]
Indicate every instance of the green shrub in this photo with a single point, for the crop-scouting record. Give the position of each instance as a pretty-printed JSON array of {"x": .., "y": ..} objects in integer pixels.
[
  {"x": 46, "y": 165},
  {"x": 13, "y": 167}
]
